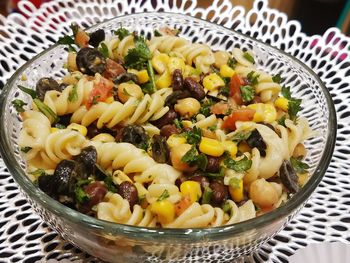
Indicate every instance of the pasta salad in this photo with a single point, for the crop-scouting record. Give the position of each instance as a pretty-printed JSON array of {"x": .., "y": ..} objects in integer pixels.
[{"x": 163, "y": 132}]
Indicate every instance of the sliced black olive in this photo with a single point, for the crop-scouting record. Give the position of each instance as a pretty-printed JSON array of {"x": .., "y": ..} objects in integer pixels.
[
  {"x": 47, "y": 184},
  {"x": 97, "y": 37},
  {"x": 160, "y": 150},
  {"x": 90, "y": 61},
  {"x": 87, "y": 156},
  {"x": 65, "y": 120},
  {"x": 45, "y": 84},
  {"x": 171, "y": 100},
  {"x": 125, "y": 77},
  {"x": 255, "y": 140},
  {"x": 136, "y": 135},
  {"x": 65, "y": 177},
  {"x": 289, "y": 177}
]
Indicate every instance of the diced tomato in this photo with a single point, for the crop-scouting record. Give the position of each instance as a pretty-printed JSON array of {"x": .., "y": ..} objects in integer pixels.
[
  {"x": 100, "y": 92},
  {"x": 82, "y": 38},
  {"x": 235, "y": 88},
  {"x": 238, "y": 115},
  {"x": 182, "y": 205},
  {"x": 113, "y": 69}
]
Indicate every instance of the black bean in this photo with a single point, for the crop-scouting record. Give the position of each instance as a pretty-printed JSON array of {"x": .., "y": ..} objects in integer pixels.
[
  {"x": 213, "y": 165},
  {"x": 171, "y": 100},
  {"x": 204, "y": 181},
  {"x": 168, "y": 118},
  {"x": 179, "y": 181},
  {"x": 97, "y": 37},
  {"x": 129, "y": 192},
  {"x": 220, "y": 192},
  {"x": 168, "y": 130},
  {"x": 90, "y": 61},
  {"x": 45, "y": 84},
  {"x": 178, "y": 80},
  {"x": 195, "y": 88}
]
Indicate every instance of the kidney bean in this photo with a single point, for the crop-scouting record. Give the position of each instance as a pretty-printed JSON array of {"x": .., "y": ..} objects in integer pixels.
[
  {"x": 213, "y": 165},
  {"x": 180, "y": 180},
  {"x": 220, "y": 192},
  {"x": 96, "y": 191},
  {"x": 167, "y": 118},
  {"x": 168, "y": 130},
  {"x": 178, "y": 80},
  {"x": 195, "y": 88},
  {"x": 203, "y": 181},
  {"x": 129, "y": 192}
]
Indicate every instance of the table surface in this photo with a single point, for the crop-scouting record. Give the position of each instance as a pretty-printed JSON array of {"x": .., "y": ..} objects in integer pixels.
[{"x": 326, "y": 216}]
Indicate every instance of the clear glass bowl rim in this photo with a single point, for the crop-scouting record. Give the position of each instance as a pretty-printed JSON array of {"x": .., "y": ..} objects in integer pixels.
[{"x": 184, "y": 235}]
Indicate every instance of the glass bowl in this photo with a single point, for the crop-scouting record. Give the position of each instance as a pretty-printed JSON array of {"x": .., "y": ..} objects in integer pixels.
[{"x": 120, "y": 243}]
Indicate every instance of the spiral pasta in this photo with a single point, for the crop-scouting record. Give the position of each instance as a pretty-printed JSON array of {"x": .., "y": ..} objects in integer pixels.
[
  {"x": 116, "y": 209},
  {"x": 133, "y": 111},
  {"x": 117, "y": 48},
  {"x": 199, "y": 54}
]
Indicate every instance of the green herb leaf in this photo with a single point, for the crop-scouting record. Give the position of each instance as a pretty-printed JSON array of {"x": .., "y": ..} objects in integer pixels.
[
  {"x": 121, "y": 33},
  {"x": 286, "y": 92},
  {"x": 37, "y": 173},
  {"x": 104, "y": 50},
  {"x": 66, "y": 40},
  {"x": 253, "y": 78},
  {"x": 192, "y": 158},
  {"x": 294, "y": 108},
  {"x": 147, "y": 88},
  {"x": 178, "y": 124},
  {"x": 157, "y": 33},
  {"x": 138, "y": 57},
  {"x": 81, "y": 196},
  {"x": 194, "y": 136},
  {"x": 30, "y": 92},
  {"x": 232, "y": 62},
  {"x": 18, "y": 104},
  {"x": 164, "y": 195},
  {"x": 248, "y": 93},
  {"x": 216, "y": 175},
  {"x": 110, "y": 184},
  {"x": 226, "y": 207},
  {"x": 249, "y": 57},
  {"x": 46, "y": 111},
  {"x": 238, "y": 166},
  {"x": 205, "y": 108},
  {"x": 299, "y": 166},
  {"x": 241, "y": 136},
  {"x": 282, "y": 121},
  {"x": 95, "y": 99},
  {"x": 213, "y": 128},
  {"x": 143, "y": 145},
  {"x": 73, "y": 94},
  {"x": 207, "y": 194},
  {"x": 235, "y": 183},
  {"x": 26, "y": 149},
  {"x": 277, "y": 78}
]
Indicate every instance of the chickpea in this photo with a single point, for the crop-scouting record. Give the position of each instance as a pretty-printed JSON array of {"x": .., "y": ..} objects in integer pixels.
[
  {"x": 72, "y": 64},
  {"x": 187, "y": 107},
  {"x": 263, "y": 193},
  {"x": 299, "y": 150},
  {"x": 177, "y": 153},
  {"x": 221, "y": 58},
  {"x": 127, "y": 90}
]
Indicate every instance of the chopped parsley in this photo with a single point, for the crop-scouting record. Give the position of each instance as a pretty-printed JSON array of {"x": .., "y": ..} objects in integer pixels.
[
  {"x": 39, "y": 172},
  {"x": 81, "y": 196},
  {"x": 231, "y": 62},
  {"x": 247, "y": 93},
  {"x": 194, "y": 136},
  {"x": 18, "y": 104},
  {"x": 110, "y": 184},
  {"x": 95, "y": 99},
  {"x": 249, "y": 57},
  {"x": 293, "y": 103},
  {"x": 241, "y": 136},
  {"x": 157, "y": 33},
  {"x": 282, "y": 121},
  {"x": 147, "y": 88},
  {"x": 137, "y": 58},
  {"x": 277, "y": 78},
  {"x": 193, "y": 158},
  {"x": 205, "y": 109},
  {"x": 238, "y": 166},
  {"x": 253, "y": 78},
  {"x": 26, "y": 149},
  {"x": 299, "y": 166},
  {"x": 73, "y": 94},
  {"x": 213, "y": 128},
  {"x": 164, "y": 195},
  {"x": 104, "y": 50},
  {"x": 121, "y": 33},
  {"x": 207, "y": 194},
  {"x": 226, "y": 207},
  {"x": 178, "y": 124}
]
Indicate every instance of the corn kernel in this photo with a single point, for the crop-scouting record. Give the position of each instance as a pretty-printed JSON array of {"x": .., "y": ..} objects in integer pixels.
[
  {"x": 263, "y": 112},
  {"x": 187, "y": 124},
  {"x": 282, "y": 103},
  {"x": 165, "y": 211},
  {"x": 175, "y": 140},
  {"x": 211, "y": 147},
  {"x": 192, "y": 189},
  {"x": 176, "y": 63},
  {"x": 213, "y": 81},
  {"x": 164, "y": 81},
  {"x": 54, "y": 129},
  {"x": 159, "y": 62},
  {"x": 231, "y": 147},
  {"x": 226, "y": 71},
  {"x": 243, "y": 147},
  {"x": 77, "y": 127},
  {"x": 109, "y": 100},
  {"x": 142, "y": 76},
  {"x": 236, "y": 191}
]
